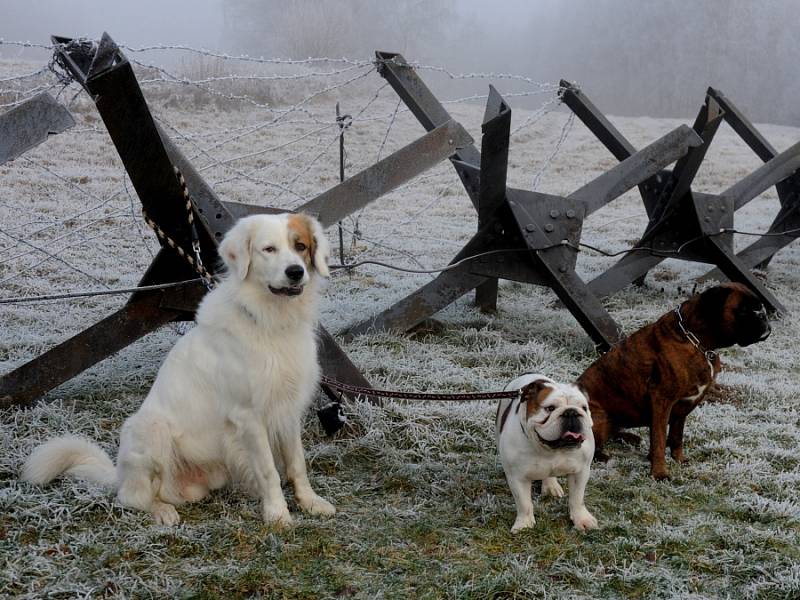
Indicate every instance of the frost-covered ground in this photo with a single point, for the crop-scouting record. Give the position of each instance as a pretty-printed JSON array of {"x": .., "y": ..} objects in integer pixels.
[{"x": 423, "y": 506}]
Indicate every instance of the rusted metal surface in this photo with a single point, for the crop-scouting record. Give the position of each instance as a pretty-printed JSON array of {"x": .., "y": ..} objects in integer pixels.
[{"x": 30, "y": 124}]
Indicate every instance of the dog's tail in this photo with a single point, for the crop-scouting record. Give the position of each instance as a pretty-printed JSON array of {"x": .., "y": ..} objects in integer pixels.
[{"x": 69, "y": 455}]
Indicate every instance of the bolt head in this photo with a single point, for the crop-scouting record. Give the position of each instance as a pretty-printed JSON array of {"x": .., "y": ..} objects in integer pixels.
[
  {"x": 530, "y": 227},
  {"x": 563, "y": 268},
  {"x": 553, "y": 214},
  {"x": 548, "y": 227},
  {"x": 570, "y": 214}
]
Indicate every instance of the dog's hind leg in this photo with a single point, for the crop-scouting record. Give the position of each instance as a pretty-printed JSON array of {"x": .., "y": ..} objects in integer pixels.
[
  {"x": 144, "y": 466},
  {"x": 294, "y": 459}
]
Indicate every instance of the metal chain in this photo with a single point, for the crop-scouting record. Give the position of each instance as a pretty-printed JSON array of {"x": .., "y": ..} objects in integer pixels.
[{"x": 196, "y": 261}]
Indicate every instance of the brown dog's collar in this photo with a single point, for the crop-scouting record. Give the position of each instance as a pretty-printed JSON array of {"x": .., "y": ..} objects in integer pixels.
[{"x": 709, "y": 355}]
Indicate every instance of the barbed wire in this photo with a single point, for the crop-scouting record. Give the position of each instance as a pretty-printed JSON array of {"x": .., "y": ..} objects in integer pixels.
[
  {"x": 454, "y": 265},
  {"x": 329, "y": 74}
]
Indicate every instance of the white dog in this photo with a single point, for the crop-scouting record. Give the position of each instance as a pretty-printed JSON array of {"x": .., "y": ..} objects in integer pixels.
[
  {"x": 543, "y": 434},
  {"x": 227, "y": 403}
]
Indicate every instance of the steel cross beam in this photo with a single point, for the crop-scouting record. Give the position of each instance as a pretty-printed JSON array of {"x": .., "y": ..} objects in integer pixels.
[
  {"x": 431, "y": 113},
  {"x": 678, "y": 216},
  {"x": 148, "y": 155},
  {"x": 31, "y": 123},
  {"x": 760, "y": 253},
  {"x": 532, "y": 236}
]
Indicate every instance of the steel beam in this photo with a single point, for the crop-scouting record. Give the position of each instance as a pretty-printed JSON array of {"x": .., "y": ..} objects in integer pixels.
[
  {"x": 677, "y": 216},
  {"x": 31, "y": 123},
  {"x": 359, "y": 190}
]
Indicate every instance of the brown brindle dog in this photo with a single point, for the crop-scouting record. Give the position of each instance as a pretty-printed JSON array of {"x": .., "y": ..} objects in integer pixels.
[{"x": 658, "y": 375}]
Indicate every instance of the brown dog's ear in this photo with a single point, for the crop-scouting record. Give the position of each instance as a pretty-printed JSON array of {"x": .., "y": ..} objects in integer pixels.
[
  {"x": 534, "y": 394},
  {"x": 715, "y": 297}
]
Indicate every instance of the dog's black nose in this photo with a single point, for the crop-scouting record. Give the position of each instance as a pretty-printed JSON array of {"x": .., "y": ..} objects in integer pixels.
[
  {"x": 570, "y": 412},
  {"x": 295, "y": 272}
]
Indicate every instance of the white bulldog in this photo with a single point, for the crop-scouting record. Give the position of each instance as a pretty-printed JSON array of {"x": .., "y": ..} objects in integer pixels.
[{"x": 544, "y": 434}]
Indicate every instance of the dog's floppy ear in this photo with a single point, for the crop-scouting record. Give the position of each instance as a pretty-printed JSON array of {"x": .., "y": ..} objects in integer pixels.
[
  {"x": 716, "y": 296},
  {"x": 582, "y": 389},
  {"x": 320, "y": 248},
  {"x": 534, "y": 393},
  {"x": 235, "y": 249}
]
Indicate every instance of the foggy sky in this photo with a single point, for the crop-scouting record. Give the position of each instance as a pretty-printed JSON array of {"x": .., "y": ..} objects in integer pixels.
[{"x": 634, "y": 57}]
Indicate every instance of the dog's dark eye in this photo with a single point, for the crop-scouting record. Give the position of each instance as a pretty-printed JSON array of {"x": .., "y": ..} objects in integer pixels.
[
  {"x": 549, "y": 408},
  {"x": 269, "y": 249},
  {"x": 300, "y": 247}
]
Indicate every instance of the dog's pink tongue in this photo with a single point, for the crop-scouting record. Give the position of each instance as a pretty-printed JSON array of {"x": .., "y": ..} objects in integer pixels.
[{"x": 571, "y": 435}]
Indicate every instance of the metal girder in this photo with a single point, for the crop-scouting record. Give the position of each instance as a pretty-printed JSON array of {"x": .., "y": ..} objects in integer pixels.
[
  {"x": 525, "y": 232},
  {"x": 637, "y": 168},
  {"x": 31, "y": 123},
  {"x": 677, "y": 216},
  {"x": 384, "y": 176},
  {"x": 428, "y": 110},
  {"x": 496, "y": 129},
  {"x": 761, "y": 252},
  {"x": 22, "y": 386}
]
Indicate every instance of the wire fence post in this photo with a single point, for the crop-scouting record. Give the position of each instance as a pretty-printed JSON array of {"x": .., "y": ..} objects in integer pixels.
[{"x": 341, "y": 123}]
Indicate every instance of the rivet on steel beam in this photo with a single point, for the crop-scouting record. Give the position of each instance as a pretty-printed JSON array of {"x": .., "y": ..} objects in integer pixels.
[
  {"x": 570, "y": 214},
  {"x": 563, "y": 268},
  {"x": 553, "y": 214},
  {"x": 707, "y": 219},
  {"x": 548, "y": 227},
  {"x": 530, "y": 227}
]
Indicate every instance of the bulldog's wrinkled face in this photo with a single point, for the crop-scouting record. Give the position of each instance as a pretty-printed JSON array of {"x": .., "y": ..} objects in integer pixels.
[
  {"x": 557, "y": 414},
  {"x": 278, "y": 252},
  {"x": 740, "y": 316}
]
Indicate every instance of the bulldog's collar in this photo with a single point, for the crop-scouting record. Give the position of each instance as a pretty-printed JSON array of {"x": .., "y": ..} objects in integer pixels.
[{"x": 709, "y": 355}]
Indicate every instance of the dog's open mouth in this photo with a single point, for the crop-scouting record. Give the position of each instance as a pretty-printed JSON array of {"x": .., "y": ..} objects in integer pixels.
[
  {"x": 292, "y": 290},
  {"x": 568, "y": 439}
]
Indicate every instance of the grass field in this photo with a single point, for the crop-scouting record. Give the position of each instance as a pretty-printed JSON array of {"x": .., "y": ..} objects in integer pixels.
[{"x": 423, "y": 507}]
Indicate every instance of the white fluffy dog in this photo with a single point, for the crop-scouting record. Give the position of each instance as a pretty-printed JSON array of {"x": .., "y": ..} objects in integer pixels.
[{"x": 227, "y": 403}]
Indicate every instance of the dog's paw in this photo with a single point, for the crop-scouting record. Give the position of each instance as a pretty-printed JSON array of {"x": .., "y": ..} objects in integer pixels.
[
  {"x": 551, "y": 487},
  {"x": 278, "y": 516},
  {"x": 165, "y": 514},
  {"x": 316, "y": 505},
  {"x": 678, "y": 456},
  {"x": 523, "y": 523},
  {"x": 584, "y": 520},
  {"x": 660, "y": 473}
]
